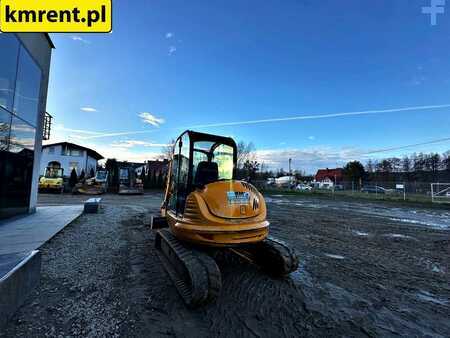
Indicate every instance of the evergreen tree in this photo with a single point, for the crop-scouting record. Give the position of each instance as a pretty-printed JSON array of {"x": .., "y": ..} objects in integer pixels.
[
  {"x": 82, "y": 176},
  {"x": 73, "y": 178},
  {"x": 91, "y": 173}
]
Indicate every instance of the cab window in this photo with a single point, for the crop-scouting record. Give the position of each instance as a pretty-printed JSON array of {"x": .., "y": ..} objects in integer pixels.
[
  {"x": 180, "y": 172},
  {"x": 221, "y": 154}
]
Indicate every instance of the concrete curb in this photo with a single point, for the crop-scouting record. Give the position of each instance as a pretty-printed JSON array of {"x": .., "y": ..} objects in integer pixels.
[{"x": 17, "y": 284}]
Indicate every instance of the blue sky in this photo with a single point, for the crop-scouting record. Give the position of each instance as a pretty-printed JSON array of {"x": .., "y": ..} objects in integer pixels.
[{"x": 171, "y": 65}]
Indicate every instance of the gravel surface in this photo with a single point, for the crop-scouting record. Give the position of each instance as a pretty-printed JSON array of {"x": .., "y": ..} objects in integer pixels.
[{"x": 360, "y": 275}]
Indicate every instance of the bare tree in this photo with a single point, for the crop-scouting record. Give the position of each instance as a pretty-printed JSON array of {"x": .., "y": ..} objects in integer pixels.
[
  {"x": 396, "y": 164},
  {"x": 4, "y": 129},
  {"x": 370, "y": 166},
  {"x": 167, "y": 151},
  {"x": 245, "y": 153},
  {"x": 446, "y": 161},
  {"x": 406, "y": 164},
  {"x": 434, "y": 162}
]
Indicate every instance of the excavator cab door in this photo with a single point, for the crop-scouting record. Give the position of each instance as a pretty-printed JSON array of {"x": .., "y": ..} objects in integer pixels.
[
  {"x": 198, "y": 159},
  {"x": 178, "y": 189}
]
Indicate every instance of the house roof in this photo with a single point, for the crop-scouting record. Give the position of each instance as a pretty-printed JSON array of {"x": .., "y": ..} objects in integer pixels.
[
  {"x": 322, "y": 174},
  {"x": 90, "y": 152}
]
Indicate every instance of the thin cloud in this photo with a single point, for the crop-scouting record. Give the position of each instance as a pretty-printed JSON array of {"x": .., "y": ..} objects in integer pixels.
[
  {"x": 312, "y": 138},
  {"x": 169, "y": 35},
  {"x": 80, "y": 39},
  {"x": 151, "y": 119},
  {"x": 88, "y": 109},
  {"x": 172, "y": 50},
  {"x": 308, "y": 159},
  {"x": 311, "y": 159}
]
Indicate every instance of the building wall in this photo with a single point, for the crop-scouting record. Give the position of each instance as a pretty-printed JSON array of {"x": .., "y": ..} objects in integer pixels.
[
  {"x": 38, "y": 45},
  {"x": 24, "y": 72},
  {"x": 83, "y": 162}
]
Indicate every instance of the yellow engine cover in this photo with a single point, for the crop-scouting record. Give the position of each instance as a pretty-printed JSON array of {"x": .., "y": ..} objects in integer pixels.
[
  {"x": 223, "y": 213},
  {"x": 232, "y": 199}
]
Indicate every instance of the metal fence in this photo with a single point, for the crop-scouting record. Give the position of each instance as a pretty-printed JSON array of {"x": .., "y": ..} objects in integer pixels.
[{"x": 392, "y": 190}]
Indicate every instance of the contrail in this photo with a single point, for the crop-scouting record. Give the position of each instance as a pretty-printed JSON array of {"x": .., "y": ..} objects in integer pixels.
[
  {"x": 277, "y": 119},
  {"x": 323, "y": 116}
]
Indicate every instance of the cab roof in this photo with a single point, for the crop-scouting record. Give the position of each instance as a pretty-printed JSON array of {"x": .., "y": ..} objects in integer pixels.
[{"x": 196, "y": 136}]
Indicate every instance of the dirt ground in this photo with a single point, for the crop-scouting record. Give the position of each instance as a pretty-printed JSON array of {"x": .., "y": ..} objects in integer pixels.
[{"x": 365, "y": 271}]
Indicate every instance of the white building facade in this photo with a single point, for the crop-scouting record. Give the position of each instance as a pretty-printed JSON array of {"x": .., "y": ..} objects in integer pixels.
[{"x": 69, "y": 156}]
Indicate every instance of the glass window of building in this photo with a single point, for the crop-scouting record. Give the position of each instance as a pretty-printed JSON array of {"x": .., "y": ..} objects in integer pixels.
[
  {"x": 73, "y": 165},
  {"x": 22, "y": 136},
  {"x": 5, "y": 122},
  {"x": 8, "y": 69},
  {"x": 75, "y": 152},
  {"x": 28, "y": 85}
]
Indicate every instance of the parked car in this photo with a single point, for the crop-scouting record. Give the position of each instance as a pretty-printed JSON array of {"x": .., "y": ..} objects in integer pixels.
[
  {"x": 374, "y": 190},
  {"x": 303, "y": 187},
  {"x": 271, "y": 181}
]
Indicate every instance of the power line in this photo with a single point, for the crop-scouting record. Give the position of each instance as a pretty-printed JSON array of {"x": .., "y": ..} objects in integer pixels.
[{"x": 441, "y": 140}]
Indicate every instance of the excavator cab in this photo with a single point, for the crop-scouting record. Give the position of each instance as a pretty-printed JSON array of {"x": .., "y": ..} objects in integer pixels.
[
  {"x": 206, "y": 210},
  {"x": 198, "y": 160}
]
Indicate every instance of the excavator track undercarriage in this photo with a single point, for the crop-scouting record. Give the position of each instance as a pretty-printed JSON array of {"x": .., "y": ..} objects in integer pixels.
[
  {"x": 271, "y": 255},
  {"x": 196, "y": 275}
]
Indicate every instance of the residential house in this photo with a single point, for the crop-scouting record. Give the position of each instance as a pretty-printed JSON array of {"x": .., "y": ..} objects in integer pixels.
[
  {"x": 328, "y": 178},
  {"x": 69, "y": 156}
]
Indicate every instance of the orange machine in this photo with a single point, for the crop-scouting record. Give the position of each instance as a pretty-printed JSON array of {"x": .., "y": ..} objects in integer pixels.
[{"x": 206, "y": 209}]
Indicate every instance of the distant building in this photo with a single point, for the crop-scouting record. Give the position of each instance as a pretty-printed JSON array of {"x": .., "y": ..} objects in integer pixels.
[
  {"x": 286, "y": 181},
  {"x": 328, "y": 178},
  {"x": 157, "y": 167},
  {"x": 69, "y": 156},
  {"x": 24, "y": 73}
]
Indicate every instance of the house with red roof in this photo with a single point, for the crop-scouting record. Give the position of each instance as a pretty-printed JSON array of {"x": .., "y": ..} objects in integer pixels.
[{"x": 328, "y": 178}]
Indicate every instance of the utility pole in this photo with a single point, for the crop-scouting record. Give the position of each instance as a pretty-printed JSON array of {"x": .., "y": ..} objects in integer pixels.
[{"x": 290, "y": 172}]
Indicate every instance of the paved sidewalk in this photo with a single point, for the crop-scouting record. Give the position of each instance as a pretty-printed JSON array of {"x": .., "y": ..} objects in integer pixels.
[
  {"x": 21, "y": 235},
  {"x": 20, "y": 264}
]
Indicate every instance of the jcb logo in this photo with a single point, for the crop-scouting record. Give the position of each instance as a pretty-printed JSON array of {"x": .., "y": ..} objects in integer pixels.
[{"x": 49, "y": 16}]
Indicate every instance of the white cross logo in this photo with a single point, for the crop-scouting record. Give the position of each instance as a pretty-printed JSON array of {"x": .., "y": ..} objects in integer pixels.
[{"x": 436, "y": 7}]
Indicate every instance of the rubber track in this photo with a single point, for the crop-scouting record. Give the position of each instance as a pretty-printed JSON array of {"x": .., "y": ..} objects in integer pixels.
[
  {"x": 194, "y": 274},
  {"x": 272, "y": 256}
]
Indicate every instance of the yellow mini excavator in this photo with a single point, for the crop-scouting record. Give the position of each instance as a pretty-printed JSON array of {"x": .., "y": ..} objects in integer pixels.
[{"x": 206, "y": 209}]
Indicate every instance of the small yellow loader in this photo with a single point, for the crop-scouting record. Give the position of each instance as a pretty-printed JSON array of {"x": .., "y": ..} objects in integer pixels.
[{"x": 53, "y": 180}]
